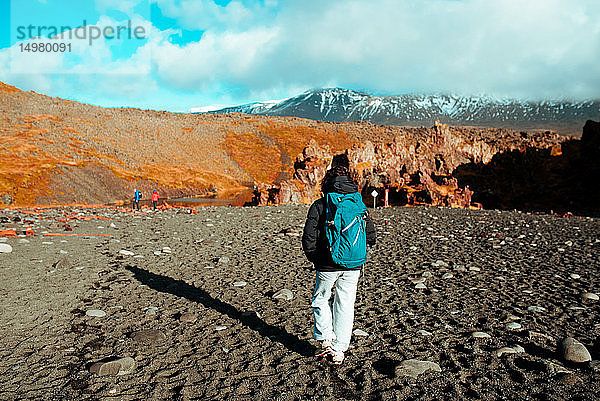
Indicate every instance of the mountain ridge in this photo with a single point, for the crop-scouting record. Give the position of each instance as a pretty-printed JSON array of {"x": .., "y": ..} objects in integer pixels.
[{"x": 345, "y": 105}]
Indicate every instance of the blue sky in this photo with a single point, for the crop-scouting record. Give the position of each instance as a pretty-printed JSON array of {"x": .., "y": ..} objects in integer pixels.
[{"x": 198, "y": 53}]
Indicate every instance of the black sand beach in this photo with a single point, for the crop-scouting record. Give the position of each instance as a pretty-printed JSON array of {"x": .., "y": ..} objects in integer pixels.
[{"x": 191, "y": 301}]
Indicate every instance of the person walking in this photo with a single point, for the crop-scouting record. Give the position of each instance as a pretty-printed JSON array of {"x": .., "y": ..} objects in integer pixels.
[
  {"x": 154, "y": 199},
  {"x": 137, "y": 195},
  {"x": 335, "y": 238}
]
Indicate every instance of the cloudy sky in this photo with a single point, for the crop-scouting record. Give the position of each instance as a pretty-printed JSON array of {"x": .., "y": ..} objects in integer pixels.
[{"x": 198, "y": 53}]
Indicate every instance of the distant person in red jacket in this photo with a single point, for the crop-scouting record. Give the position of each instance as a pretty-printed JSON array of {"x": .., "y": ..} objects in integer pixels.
[{"x": 154, "y": 199}]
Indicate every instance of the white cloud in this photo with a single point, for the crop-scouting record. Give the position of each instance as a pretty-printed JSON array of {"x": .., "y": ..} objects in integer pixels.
[
  {"x": 533, "y": 49},
  {"x": 538, "y": 48}
]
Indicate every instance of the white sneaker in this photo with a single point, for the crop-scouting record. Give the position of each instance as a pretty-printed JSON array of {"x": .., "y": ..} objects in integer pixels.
[
  {"x": 337, "y": 357},
  {"x": 325, "y": 349}
]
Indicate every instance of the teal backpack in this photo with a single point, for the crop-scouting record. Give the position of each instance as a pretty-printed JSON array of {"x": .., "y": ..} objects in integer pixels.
[{"x": 345, "y": 229}]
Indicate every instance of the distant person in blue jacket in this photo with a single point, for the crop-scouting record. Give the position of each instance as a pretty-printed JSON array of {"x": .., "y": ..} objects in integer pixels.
[{"x": 137, "y": 195}]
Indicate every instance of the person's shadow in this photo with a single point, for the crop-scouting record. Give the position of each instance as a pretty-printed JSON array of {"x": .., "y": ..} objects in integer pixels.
[{"x": 251, "y": 320}]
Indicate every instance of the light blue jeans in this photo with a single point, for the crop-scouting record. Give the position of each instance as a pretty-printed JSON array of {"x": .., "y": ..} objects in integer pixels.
[{"x": 334, "y": 317}]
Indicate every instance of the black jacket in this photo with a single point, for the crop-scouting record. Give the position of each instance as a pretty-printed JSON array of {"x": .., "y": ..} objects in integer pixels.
[{"x": 314, "y": 242}]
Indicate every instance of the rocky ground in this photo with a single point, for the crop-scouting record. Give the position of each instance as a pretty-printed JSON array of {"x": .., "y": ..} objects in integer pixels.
[{"x": 453, "y": 304}]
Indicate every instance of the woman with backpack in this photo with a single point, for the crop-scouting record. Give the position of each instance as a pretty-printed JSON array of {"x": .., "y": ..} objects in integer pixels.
[{"x": 336, "y": 234}]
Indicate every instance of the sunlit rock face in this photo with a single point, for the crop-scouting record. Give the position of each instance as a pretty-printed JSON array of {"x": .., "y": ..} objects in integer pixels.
[{"x": 457, "y": 167}]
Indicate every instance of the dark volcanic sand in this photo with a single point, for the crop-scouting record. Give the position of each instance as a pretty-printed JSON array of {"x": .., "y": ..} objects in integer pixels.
[{"x": 48, "y": 343}]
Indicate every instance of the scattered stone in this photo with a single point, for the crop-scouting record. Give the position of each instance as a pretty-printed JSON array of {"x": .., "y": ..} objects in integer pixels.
[
  {"x": 427, "y": 274},
  {"x": 223, "y": 259},
  {"x": 536, "y": 308},
  {"x": 513, "y": 326},
  {"x": 574, "y": 276},
  {"x": 151, "y": 310},
  {"x": 420, "y": 286},
  {"x": 188, "y": 317},
  {"x": 117, "y": 367},
  {"x": 480, "y": 334},
  {"x": 5, "y": 248},
  {"x": 95, "y": 313},
  {"x": 570, "y": 379},
  {"x": 424, "y": 333},
  {"x": 360, "y": 333},
  {"x": 574, "y": 351},
  {"x": 514, "y": 349},
  {"x": 413, "y": 368},
  {"x": 284, "y": 294},
  {"x": 555, "y": 369},
  {"x": 447, "y": 276},
  {"x": 219, "y": 328},
  {"x": 240, "y": 284},
  {"x": 590, "y": 296},
  {"x": 209, "y": 267},
  {"x": 126, "y": 252},
  {"x": 474, "y": 269},
  {"x": 148, "y": 336},
  {"x": 439, "y": 263},
  {"x": 251, "y": 313}
]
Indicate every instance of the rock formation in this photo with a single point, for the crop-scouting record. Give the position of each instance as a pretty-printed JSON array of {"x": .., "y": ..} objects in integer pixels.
[{"x": 415, "y": 167}]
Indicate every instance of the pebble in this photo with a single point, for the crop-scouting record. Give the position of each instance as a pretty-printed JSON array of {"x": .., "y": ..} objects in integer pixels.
[
  {"x": 219, "y": 328},
  {"x": 151, "y": 310},
  {"x": 460, "y": 269},
  {"x": 148, "y": 336},
  {"x": 95, "y": 313},
  {"x": 413, "y": 368},
  {"x": 590, "y": 296},
  {"x": 284, "y": 294},
  {"x": 360, "y": 333},
  {"x": 555, "y": 369},
  {"x": 447, "y": 275},
  {"x": 474, "y": 269},
  {"x": 574, "y": 276},
  {"x": 574, "y": 351},
  {"x": 424, "y": 333},
  {"x": 480, "y": 334},
  {"x": 188, "y": 317},
  {"x": 118, "y": 367},
  {"x": 420, "y": 286},
  {"x": 536, "y": 308},
  {"x": 126, "y": 252},
  {"x": 209, "y": 267},
  {"x": 223, "y": 259},
  {"x": 513, "y": 349},
  {"x": 240, "y": 284},
  {"x": 5, "y": 248},
  {"x": 513, "y": 326},
  {"x": 427, "y": 274}
]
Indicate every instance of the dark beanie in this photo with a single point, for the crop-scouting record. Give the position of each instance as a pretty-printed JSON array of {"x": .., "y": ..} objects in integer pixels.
[{"x": 340, "y": 160}]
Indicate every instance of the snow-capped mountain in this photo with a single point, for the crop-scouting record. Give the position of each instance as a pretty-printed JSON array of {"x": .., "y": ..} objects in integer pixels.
[{"x": 339, "y": 105}]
